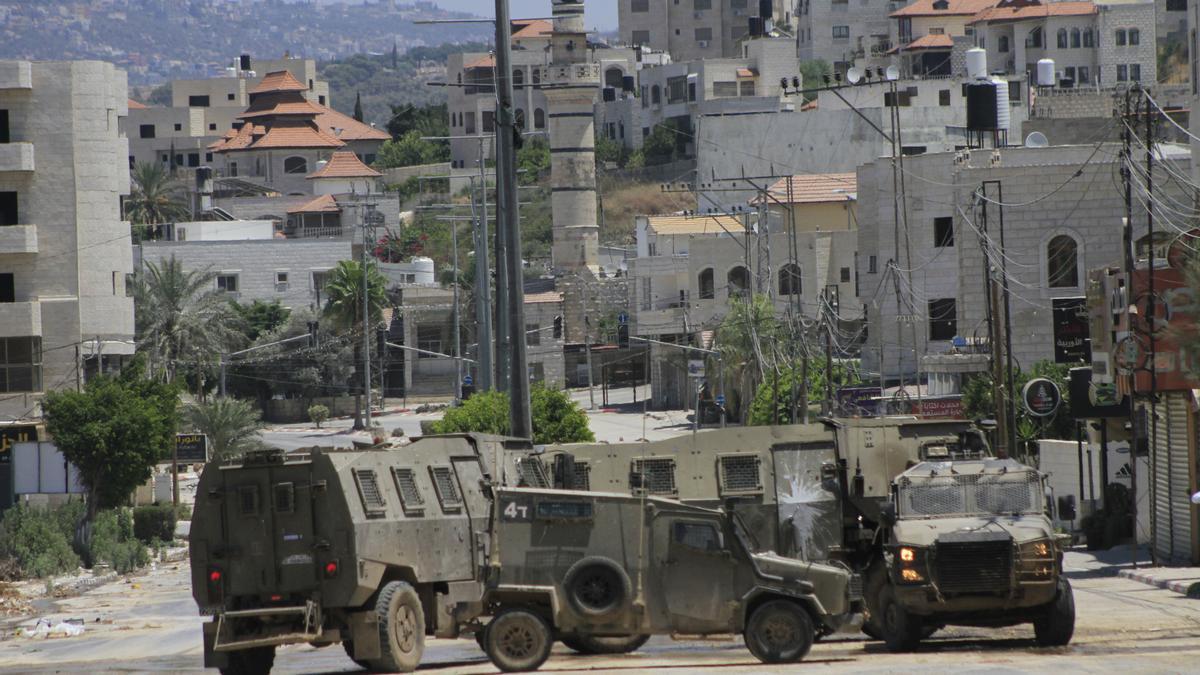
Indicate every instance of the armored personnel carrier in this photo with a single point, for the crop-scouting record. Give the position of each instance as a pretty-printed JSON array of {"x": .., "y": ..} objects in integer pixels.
[
  {"x": 970, "y": 543},
  {"x": 605, "y": 564}
]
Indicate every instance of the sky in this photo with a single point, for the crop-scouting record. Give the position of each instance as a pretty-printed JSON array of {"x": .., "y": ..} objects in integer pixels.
[{"x": 600, "y": 14}]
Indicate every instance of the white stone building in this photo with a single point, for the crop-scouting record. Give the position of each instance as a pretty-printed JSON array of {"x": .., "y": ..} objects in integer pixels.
[
  {"x": 65, "y": 263},
  {"x": 695, "y": 29},
  {"x": 843, "y": 32}
]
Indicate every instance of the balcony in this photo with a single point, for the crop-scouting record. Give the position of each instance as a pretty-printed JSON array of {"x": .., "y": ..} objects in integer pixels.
[
  {"x": 16, "y": 75},
  {"x": 18, "y": 239},
  {"x": 16, "y": 157},
  {"x": 20, "y": 319}
]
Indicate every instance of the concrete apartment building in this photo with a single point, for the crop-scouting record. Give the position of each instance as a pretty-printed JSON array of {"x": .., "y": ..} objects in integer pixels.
[
  {"x": 844, "y": 32},
  {"x": 65, "y": 306},
  {"x": 938, "y": 270},
  {"x": 695, "y": 29}
]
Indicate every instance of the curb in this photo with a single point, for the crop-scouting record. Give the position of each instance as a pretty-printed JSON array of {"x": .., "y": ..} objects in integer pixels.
[{"x": 1180, "y": 587}]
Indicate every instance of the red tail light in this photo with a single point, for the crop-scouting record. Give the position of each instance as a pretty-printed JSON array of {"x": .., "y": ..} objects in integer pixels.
[
  {"x": 214, "y": 576},
  {"x": 216, "y": 586},
  {"x": 331, "y": 569}
]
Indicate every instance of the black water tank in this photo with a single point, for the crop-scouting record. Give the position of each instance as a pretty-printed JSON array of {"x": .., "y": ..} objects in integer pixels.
[
  {"x": 610, "y": 94},
  {"x": 981, "y": 107},
  {"x": 757, "y": 26},
  {"x": 245, "y": 62},
  {"x": 628, "y": 83},
  {"x": 765, "y": 8}
]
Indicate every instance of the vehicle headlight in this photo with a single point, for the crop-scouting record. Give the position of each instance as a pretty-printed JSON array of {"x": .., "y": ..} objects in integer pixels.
[
  {"x": 911, "y": 576},
  {"x": 910, "y": 565},
  {"x": 1037, "y": 558},
  {"x": 907, "y": 554}
]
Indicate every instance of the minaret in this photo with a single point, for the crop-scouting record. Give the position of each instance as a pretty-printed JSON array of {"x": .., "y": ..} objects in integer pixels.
[{"x": 570, "y": 85}]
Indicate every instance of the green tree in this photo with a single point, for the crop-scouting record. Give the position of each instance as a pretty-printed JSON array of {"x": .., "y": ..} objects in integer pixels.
[
  {"x": 532, "y": 159},
  {"x": 231, "y": 425},
  {"x": 160, "y": 95},
  {"x": 318, "y": 413},
  {"x": 813, "y": 74},
  {"x": 344, "y": 308},
  {"x": 113, "y": 431},
  {"x": 428, "y": 120},
  {"x": 411, "y": 150},
  {"x": 745, "y": 340},
  {"x": 608, "y": 150},
  {"x": 358, "y": 111},
  {"x": 660, "y": 146},
  {"x": 978, "y": 402},
  {"x": 156, "y": 197},
  {"x": 556, "y": 418},
  {"x": 294, "y": 370},
  {"x": 261, "y": 317},
  {"x": 783, "y": 390},
  {"x": 181, "y": 317}
]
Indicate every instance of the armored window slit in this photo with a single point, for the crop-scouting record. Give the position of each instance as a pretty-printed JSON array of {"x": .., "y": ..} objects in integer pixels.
[
  {"x": 532, "y": 473},
  {"x": 739, "y": 474},
  {"x": 248, "y": 500},
  {"x": 368, "y": 490},
  {"x": 410, "y": 495},
  {"x": 285, "y": 498},
  {"x": 583, "y": 479},
  {"x": 657, "y": 475},
  {"x": 446, "y": 488}
]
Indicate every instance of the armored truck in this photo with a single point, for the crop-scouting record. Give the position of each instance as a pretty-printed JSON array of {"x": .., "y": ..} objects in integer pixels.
[
  {"x": 369, "y": 548},
  {"x": 607, "y": 564},
  {"x": 969, "y": 543}
]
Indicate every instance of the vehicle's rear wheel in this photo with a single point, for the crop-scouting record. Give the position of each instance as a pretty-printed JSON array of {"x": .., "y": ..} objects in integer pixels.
[
  {"x": 591, "y": 644},
  {"x": 253, "y": 661},
  {"x": 401, "y": 629},
  {"x": 1056, "y": 625},
  {"x": 779, "y": 631},
  {"x": 901, "y": 631},
  {"x": 518, "y": 640}
]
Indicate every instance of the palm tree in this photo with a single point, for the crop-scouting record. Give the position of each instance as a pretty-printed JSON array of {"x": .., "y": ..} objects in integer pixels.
[
  {"x": 344, "y": 307},
  {"x": 231, "y": 425},
  {"x": 745, "y": 341},
  {"x": 182, "y": 317},
  {"x": 157, "y": 198}
]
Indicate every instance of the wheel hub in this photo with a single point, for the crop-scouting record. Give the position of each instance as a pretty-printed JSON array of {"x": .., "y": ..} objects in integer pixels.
[
  {"x": 406, "y": 629},
  {"x": 517, "y": 641},
  {"x": 778, "y": 632}
]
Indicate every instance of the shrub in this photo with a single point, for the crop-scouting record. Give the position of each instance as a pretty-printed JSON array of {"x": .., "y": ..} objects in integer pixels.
[
  {"x": 113, "y": 541},
  {"x": 154, "y": 522},
  {"x": 556, "y": 418},
  {"x": 318, "y": 413},
  {"x": 38, "y": 540}
]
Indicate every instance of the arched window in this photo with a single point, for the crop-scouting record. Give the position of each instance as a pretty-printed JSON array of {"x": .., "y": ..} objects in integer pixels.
[
  {"x": 1035, "y": 38},
  {"x": 539, "y": 118},
  {"x": 706, "y": 284},
  {"x": 295, "y": 165},
  {"x": 1135, "y": 36},
  {"x": 612, "y": 77},
  {"x": 1003, "y": 44},
  {"x": 1089, "y": 38},
  {"x": 655, "y": 95},
  {"x": 518, "y": 77},
  {"x": 520, "y": 118},
  {"x": 1075, "y": 38},
  {"x": 1062, "y": 262},
  {"x": 738, "y": 280},
  {"x": 1062, "y": 38},
  {"x": 789, "y": 279},
  {"x": 537, "y": 75}
]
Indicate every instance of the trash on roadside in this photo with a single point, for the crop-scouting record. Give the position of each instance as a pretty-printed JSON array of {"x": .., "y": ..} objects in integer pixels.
[{"x": 44, "y": 628}]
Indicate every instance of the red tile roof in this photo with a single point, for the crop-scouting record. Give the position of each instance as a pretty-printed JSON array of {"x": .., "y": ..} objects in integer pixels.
[
  {"x": 953, "y": 8},
  {"x": 134, "y": 105},
  {"x": 1019, "y": 11},
  {"x": 264, "y": 108},
  {"x": 344, "y": 164},
  {"x": 531, "y": 28},
  {"x": 291, "y": 135},
  {"x": 346, "y": 128},
  {"x": 747, "y": 72},
  {"x": 816, "y": 188},
  {"x": 930, "y": 42},
  {"x": 280, "y": 80},
  {"x": 322, "y": 204},
  {"x": 485, "y": 61}
]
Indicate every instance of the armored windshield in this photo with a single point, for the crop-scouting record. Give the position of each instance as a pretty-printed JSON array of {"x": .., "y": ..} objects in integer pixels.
[{"x": 969, "y": 494}]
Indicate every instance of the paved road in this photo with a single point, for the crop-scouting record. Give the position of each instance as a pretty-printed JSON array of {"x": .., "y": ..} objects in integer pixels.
[{"x": 1122, "y": 626}]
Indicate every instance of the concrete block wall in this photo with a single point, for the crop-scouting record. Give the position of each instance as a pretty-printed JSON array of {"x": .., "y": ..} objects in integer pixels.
[
  {"x": 594, "y": 297},
  {"x": 1127, "y": 15}
]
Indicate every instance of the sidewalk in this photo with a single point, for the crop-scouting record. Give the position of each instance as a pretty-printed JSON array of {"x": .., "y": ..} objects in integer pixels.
[{"x": 1177, "y": 579}]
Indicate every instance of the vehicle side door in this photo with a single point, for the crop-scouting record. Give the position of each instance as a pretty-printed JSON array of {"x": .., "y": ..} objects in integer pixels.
[{"x": 696, "y": 570}]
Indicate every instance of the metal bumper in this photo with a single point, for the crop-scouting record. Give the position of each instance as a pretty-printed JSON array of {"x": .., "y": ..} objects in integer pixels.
[{"x": 275, "y": 626}]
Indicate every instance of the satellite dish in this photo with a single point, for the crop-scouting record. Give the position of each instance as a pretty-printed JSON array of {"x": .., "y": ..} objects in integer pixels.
[
  {"x": 853, "y": 75},
  {"x": 1036, "y": 140},
  {"x": 892, "y": 73}
]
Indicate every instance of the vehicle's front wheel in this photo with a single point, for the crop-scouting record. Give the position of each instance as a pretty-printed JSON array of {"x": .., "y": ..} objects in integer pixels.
[
  {"x": 518, "y": 640},
  {"x": 1056, "y": 625},
  {"x": 401, "y": 629},
  {"x": 253, "y": 661},
  {"x": 901, "y": 631},
  {"x": 779, "y": 631},
  {"x": 591, "y": 644}
]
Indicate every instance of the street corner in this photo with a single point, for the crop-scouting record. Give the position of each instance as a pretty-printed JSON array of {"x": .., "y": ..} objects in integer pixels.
[{"x": 1182, "y": 580}]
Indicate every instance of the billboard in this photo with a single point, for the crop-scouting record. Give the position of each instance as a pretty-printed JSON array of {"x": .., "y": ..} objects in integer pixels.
[{"x": 190, "y": 448}]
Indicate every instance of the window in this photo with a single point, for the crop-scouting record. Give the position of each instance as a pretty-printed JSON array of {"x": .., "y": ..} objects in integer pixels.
[
  {"x": 146, "y": 131},
  {"x": 321, "y": 100},
  {"x": 1034, "y": 39},
  {"x": 198, "y": 101},
  {"x": 8, "y": 208},
  {"x": 536, "y": 371},
  {"x": 703, "y": 34},
  {"x": 724, "y": 89},
  {"x": 368, "y": 491},
  {"x": 640, "y": 37},
  {"x": 1120, "y": 37},
  {"x": 872, "y": 265},
  {"x": 943, "y": 231},
  {"x": 227, "y": 283},
  {"x": 706, "y": 284},
  {"x": 746, "y": 88},
  {"x": 469, "y": 123},
  {"x": 446, "y": 488},
  {"x": 248, "y": 500},
  {"x": 518, "y": 77},
  {"x": 655, "y": 95},
  {"x": 639, "y": 6},
  {"x": 691, "y": 90},
  {"x": 539, "y": 118},
  {"x": 233, "y": 169},
  {"x": 677, "y": 89},
  {"x": 410, "y": 495},
  {"x": 1084, "y": 76},
  {"x": 281, "y": 282},
  {"x": 841, "y": 32},
  {"x": 193, "y": 159},
  {"x": 789, "y": 279},
  {"x": 8, "y": 287},
  {"x": 937, "y": 30},
  {"x": 212, "y": 126},
  {"x": 1075, "y": 38},
  {"x": 295, "y": 165},
  {"x": 1062, "y": 262},
  {"x": 208, "y": 157},
  {"x": 285, "y": 497},
  {"x": 739, "y": 474},
  {"x": 943, "y": 319},
  {"x": 1089, "y": 38},
  {"x": 1122, "y": 72},
  {"x": 1176, "y": 5},
  {"x": 700, "y": 536},
  {"x": 1003, "y": 44},
  {"x": 1062, "y": 38},
  {"x": 700, "y": 5},
  {"x": 229, "y": 97},
  {"x": 20, "y": 362},
  {"x": 531, "y": 472},
  {"x": 1135, "y": 37},
  {"x": 844, "y": 275},
  {"x": 655, "y": 474},
  {"x": 429, "y": 338},
  {"x": 1135, "y": 72},
  {"x": 1069, "y": 73},
  {"x": 738, "y": 281},
  {"x": 178, "y": 127},
  {"x": 944, "y": 97},
  {"x": 533, "y": 334},
  {"x": 4, "y": 137},
  {"x": 489, "y": 121}
]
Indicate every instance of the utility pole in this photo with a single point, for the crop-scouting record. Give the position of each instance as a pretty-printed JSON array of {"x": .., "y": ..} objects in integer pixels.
[
  {"x": 458, "y": 376},
  {"x": 995, "y": 332},
  {"x": 483, "y": 284},
  {"x": 1130, "y": 298},
  {"x": 1149, "y": 322},
  {"x": 587, "y": 346},
  {"x": 368, "y": 225},
  {"x": 521, "y": 425}
]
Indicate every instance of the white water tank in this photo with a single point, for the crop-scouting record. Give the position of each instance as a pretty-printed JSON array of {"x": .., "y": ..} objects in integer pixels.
[
  {"x": 976, "y": 63},
  {"x": 1003, "y": 109},
  {"x": 1045, "y": 72},
  {"x": 423, "y": 268}
]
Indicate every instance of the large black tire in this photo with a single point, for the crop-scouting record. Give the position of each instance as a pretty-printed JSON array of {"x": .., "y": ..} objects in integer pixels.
[
  {"x": 253, "y": 661},
  {"x": 481, "y": 638},
  {"x": 1056, "y": 625},
  {"x": 591, "y": 644},
  {"x": 518, "y": 640},
  {"x": 349, "y": 647},
  {"x": 597, "y": 587},
  {"x": 779, "y": 631},
  {"x": 401, "y": 629},
  {"x": 901, "y": 630}
]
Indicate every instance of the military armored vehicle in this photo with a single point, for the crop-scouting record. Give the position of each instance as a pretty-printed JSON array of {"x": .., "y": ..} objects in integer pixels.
[
  {"x": 970, "y": 543},
  {"x": 364, "y": 547},
  {"x": 607, "y": 564}
]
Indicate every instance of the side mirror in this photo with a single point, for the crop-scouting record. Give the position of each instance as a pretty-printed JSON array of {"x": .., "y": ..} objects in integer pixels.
[
  {"x": 1066, "y": 507},
  {"x": 887, "y": 514}
]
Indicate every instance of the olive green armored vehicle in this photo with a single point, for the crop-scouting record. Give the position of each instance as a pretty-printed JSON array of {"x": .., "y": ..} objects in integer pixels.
[
  {"x": 970, "y": 543},
  {"x": 567, "y": 562},
  {"x": 364, "y": 547}
]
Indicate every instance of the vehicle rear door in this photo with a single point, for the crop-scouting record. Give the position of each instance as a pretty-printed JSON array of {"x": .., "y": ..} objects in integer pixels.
[
  {"x": 805, "y": 491},
  {"x": 249, "y": 531},
  {"x": 696, "y": 573},
  {"x": 292, "y": 520}
]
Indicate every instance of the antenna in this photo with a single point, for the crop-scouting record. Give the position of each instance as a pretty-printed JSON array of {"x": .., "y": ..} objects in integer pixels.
[
  {"x": 854, "y": 75},
  {"x": 1036, "y": 140},
  {"x": 892, "y": 73}
]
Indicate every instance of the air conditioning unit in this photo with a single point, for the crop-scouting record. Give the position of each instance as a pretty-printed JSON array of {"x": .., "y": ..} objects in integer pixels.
[
  {"x": 697, "y": 15},
  {"x": 702, "y": 43}
]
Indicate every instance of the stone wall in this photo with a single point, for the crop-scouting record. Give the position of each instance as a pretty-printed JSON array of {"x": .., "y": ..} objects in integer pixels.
[
  {"x": 286, "y": 410},
  {"x": 595, "y": 298}
]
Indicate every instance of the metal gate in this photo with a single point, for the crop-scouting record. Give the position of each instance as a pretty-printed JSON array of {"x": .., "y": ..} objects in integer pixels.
[{"x": 1171, "y": 484}]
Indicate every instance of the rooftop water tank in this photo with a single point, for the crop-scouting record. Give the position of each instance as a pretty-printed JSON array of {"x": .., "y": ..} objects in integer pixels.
[
  {"x": 1003, "y": 109},
  {"x": 981, "y": 106},
  {"x": 1045, "y": 72},
  {"x": 976, "y": 63}
]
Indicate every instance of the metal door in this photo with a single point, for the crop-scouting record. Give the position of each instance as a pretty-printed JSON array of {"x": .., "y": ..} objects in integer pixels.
[
  {"x": 470, "y": 480},
  {"x": 809, "y": 513},
  {"x": 292, "y": 518},
  {"x": 249, "y": 530},
  {"x": 696, "y": 573}
]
